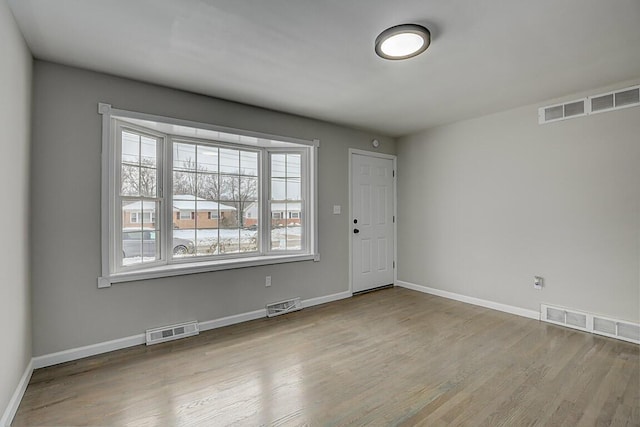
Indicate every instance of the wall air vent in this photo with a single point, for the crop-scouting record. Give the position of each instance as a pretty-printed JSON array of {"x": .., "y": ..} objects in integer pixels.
[
  {"x": 601, "y": 103},
  {"x": 589, "y": 322},
  {"x": 623, "y": 98},
  {"x": 616, "y": 329},
  {"x": 629, "y": 97},
  {"x": 558, "y": 112},
  {"x": 283, "y": 307},
  {"x": 172, "y": 332}
]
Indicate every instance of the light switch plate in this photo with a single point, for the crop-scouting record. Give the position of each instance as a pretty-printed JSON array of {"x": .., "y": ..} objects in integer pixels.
[{"x": 337, "y": 209}]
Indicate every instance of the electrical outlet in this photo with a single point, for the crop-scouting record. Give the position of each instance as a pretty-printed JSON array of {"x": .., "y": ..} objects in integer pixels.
[
  {"x": 538, "y": 282},
  {"x": 267, "y": 281}
]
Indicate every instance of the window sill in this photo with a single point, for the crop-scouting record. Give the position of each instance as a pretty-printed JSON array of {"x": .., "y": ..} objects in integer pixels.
[{"x": 200, "y": 267}]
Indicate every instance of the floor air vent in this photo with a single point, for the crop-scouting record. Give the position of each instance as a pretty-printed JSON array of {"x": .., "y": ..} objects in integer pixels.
[
  {"x": 588, "y": 322},
  {"x": 616, "y": 329},
  {"x": 283, "y": 307},
  {"x": 172, "y": 332}
]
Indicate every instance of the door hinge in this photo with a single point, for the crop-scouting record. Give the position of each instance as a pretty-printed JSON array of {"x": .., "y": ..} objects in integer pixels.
[
  {"x": 394, "y": 264},
  {"x": 393, "y": 173},
  {"x": 394, "y": 219}
]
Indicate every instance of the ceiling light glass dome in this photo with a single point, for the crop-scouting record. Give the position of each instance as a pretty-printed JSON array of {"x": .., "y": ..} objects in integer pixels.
[{"x": 402, "y": 41}]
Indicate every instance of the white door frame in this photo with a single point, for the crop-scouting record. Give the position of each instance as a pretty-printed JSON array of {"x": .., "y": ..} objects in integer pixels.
[{"x": 394, "y": 158}]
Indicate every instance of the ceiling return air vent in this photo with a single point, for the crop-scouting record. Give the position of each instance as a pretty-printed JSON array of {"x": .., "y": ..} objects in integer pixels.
[
  {"x": 172, "y": 332},
  {"x": 610, "y": 101},
  {"x": 589, "y": 322}
]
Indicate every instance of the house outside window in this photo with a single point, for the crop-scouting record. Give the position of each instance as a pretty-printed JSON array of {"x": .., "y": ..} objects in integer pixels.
[{"x": 135, "y": 217}]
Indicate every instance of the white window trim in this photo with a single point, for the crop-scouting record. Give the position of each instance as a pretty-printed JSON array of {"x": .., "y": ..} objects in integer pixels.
[{"x": 108, "y": 208}]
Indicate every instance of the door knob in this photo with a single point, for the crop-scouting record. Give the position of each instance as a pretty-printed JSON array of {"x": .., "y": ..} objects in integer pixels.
[{"x": 356, "y": 231}]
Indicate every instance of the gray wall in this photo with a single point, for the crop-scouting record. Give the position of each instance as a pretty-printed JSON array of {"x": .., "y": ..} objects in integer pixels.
[
  {"x": 15, "y": 114},
  {"x": 69, "y": 311},
  {"x": 486, "y": 204}
]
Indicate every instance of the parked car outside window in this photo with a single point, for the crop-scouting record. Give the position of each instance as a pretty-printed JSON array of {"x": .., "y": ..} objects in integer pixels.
[{"x": 137, "y": 242}]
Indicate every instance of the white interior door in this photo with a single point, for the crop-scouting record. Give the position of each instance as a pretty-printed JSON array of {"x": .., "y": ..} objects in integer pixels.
[{"x": 372, "y": 222}]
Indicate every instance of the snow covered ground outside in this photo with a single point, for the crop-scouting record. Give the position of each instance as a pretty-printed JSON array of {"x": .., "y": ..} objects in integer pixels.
[{"x": 230, "y": 241}]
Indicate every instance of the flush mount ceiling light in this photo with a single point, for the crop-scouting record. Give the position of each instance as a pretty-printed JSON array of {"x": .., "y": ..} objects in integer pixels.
[{"x": 403, "y": 41}]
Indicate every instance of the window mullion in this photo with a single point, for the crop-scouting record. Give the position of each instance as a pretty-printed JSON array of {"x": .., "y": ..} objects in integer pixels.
[
  {"x": 265, "y": 203},
  {"x": 167, "y": 178}
]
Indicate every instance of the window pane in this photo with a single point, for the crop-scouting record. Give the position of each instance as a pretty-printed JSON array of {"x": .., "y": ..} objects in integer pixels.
[
  {"x": 130, "y": 148},
  {"x": 228, "y": 216},
  {"x": 229, "y": 161},
  {"x": 184, "y": 183},
  {"x": 148, "y": 177},
  {"x": 130, "y": 180},
  {"x": 286, "y": 232},
  {"x": 294, "y": 240},
  {"x": 294, "y": 189},
  {"x": 229, "y": 240},
  {"x": 207, "y": 158},
  {"x": 207, "y": 219},
  {"x": 278, "y": 162},
  {"x": 184, "y": 156},
  {"x": 183, "y": 238},
  {"x": 250, "y": 215},
  {"x": 248, "y": 189},
  {"x": 249, "y": 236},
  {"x": 149, "y": 215},
  {"x": 208, "y": 186},
  {"x": 148, "y": 151},
  {"x": 248, "y": 163},
  {"x": 229, "y": 187},
  {"x": 139, "y": 233},
  {"x": 278, "y": 235},
  {"x": 278, "y": 189},
  {"x": 293, "y": 165},
  {"x": 151, "y": 234}
]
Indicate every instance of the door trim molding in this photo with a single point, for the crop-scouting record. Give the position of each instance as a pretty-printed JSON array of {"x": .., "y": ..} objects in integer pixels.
[{"x": 394, "y": 158}]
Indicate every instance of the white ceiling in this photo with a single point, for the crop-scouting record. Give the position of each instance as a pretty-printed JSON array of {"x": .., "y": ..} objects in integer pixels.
[{"x": 316, "y": 57}]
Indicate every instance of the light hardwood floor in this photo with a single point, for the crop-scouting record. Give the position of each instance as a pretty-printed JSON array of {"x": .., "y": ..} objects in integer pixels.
[{"x": 392, "y": 357}]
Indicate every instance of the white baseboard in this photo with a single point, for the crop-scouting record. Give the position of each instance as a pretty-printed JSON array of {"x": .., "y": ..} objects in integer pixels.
[
  {"x": 325, "y": 299},
  {"x": 16, "y": 398},
  {"x": 531, "y": 314},
  {"x": 86, "y": 351},
  {"x": 232, "y": 320},
  {"x": 120, "y": 343}
]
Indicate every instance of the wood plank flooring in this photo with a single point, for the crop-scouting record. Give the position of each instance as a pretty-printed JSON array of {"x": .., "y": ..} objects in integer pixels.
[{"x": 392, "y": 357}]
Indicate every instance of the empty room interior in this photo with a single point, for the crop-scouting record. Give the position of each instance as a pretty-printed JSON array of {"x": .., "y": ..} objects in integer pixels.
[{"x": 293, "y": 213}]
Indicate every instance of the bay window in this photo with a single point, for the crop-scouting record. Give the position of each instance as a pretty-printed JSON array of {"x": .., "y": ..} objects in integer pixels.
[{"x": 182, "y": 197}]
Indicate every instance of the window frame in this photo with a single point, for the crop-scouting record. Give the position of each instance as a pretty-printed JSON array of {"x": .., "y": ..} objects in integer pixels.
[
  {"x": 217, "y": 144},
  {"x": 166, "y": 266},
  {"x": 304, "y": 194},
  {"x": 115, "y": 238}
]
